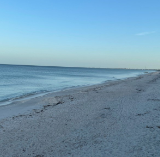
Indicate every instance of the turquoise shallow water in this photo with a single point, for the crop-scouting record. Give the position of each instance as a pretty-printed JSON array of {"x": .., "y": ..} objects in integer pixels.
[{"x": 20, "y": 81}]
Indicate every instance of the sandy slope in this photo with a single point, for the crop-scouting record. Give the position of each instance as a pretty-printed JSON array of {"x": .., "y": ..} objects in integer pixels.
[{"x": 120, "y": 119}]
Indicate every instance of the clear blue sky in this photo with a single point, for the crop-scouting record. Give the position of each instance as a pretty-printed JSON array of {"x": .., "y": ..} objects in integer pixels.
[{"x": 83, "y": 33}]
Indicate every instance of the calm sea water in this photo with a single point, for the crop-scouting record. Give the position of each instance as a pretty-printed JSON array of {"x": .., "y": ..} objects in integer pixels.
[{"x": 21, "y": 81}]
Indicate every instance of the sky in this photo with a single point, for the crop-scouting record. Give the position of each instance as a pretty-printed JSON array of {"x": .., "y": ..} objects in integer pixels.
[{"x": 81, "y": 33}]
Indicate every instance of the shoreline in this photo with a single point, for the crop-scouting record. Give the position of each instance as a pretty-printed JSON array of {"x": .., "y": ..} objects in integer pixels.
[
  {"x": 116, "y": 118},
  {"x": 17, "y": 102},
  {"x": 31, "y": 95}
]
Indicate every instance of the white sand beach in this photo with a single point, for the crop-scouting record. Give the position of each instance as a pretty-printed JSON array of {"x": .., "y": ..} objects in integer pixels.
[{"x": 114, "y": 119}]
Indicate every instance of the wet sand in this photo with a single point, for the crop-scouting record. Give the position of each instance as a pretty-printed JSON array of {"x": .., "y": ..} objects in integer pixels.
[{"x": 113, "y": 119}]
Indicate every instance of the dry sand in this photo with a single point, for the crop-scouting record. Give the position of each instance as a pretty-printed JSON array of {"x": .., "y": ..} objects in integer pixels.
[{"x": 116, "y": 119}]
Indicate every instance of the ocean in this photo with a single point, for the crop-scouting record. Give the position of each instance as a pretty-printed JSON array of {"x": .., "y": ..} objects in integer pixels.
[{"x": 19, "y": 81}]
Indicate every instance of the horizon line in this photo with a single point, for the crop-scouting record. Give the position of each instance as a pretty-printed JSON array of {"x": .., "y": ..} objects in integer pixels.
[{"x": 78, "y": 67}]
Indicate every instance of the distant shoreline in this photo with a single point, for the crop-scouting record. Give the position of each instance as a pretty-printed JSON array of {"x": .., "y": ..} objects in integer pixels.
[{"x": 80, "y": 67}]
